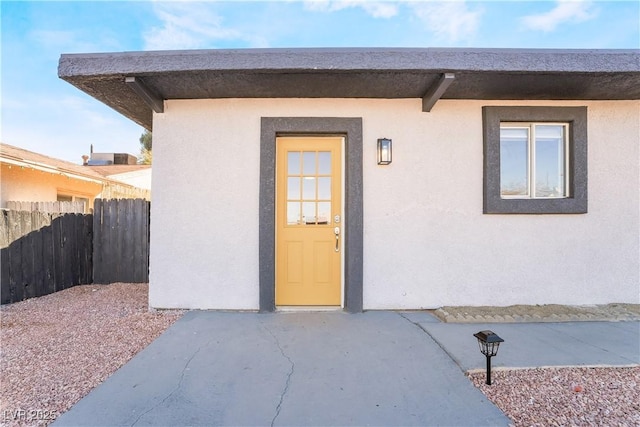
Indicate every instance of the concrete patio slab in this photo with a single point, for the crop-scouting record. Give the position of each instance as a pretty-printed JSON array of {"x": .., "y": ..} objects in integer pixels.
[
  {"x": 542, "y": 344},
  {"x": 229, "y": 368}
]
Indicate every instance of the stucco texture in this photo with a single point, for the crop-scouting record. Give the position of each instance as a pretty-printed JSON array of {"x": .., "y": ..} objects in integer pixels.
[{"x": 427, "y": 242}]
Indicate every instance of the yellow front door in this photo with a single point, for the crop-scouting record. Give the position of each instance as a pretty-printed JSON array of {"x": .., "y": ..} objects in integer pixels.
[{"x": 309, "y": 221}]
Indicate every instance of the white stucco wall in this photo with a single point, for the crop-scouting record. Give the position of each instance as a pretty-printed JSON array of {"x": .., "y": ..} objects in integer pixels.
[
  {"x": 426, "y": 241},
  {"x": 139, "y": 178}
]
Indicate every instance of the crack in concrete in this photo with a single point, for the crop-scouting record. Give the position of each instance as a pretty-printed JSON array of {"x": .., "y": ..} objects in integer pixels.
[
  {"x": 456, "y": 361},
  {"x": 177, "y": 387},
  {"x": 289, "y": 375}
]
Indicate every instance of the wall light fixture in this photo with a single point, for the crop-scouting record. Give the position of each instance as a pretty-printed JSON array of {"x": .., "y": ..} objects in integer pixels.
[{"x": 384, "y": 151}]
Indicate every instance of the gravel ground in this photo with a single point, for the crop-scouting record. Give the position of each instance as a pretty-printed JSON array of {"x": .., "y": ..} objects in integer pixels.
[
  {"x": 565, "y": 396},
  {"x": 56, "y": 348}
]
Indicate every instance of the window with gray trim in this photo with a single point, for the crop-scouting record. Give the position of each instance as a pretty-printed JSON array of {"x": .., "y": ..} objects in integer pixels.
[{"x": 511, "y": 185}]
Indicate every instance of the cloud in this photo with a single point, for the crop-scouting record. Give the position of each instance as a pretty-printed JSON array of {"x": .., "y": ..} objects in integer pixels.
[
  {"x": 191, "y": 25},
  {"x": 377, "y": 9},
  {"x": 565, "y": 11},
  {"x": 450, "y": 20},
  {"x": 447, "y": 19}
]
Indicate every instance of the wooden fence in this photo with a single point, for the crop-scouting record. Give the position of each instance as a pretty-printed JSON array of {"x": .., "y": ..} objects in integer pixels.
[
  {"x": 41, "y": 253},
  {"x": 54, "y": 207},
  {"x": 121, "y": 241}
]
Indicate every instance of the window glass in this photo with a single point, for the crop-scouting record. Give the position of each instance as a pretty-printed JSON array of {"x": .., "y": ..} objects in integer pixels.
[
  {"x": 309, "y": 188},
  {"x": 293, "y": 188},
  {"x": 550, "y": 161},
  {"x": 532, "y": 160},
  {"x": 293, "y": 163},
  {"x": 324, "y": 163},
  {"x": 514, "y": 162},
  {"x": 293, "y": 213},
  {"x": 324, "y": 212},
  {"x": 309, "y": 212},
  {"x": 309, "y": 163},
  {"x": 324, "y": 188}
]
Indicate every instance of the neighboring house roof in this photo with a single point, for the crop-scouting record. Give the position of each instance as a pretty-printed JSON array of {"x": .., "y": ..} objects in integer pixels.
[
  {"x": 25, "y": 158},
  {"x": 118, "y": 169},
  {"x": 20, "y": 157},
  {"x": 137, "y": 83}
]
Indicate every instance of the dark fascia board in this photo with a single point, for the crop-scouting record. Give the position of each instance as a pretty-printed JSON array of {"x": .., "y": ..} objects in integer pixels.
[
  {"x": 351, "y": 59},
  {"x": 500, "y": 74}
]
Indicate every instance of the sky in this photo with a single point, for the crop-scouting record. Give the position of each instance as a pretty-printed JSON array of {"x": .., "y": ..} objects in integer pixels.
[{"x": 40, "y": 112}]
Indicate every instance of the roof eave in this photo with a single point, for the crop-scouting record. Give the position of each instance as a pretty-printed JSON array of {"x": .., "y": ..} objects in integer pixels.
[{"x": 349, "y": 73}]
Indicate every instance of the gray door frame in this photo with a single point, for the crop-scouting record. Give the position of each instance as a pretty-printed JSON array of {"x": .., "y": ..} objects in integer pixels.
[{"x": 351, "y": 129}]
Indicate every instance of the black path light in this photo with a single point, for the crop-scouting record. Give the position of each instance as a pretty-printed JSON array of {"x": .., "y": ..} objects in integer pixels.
[{"x": 488, "y": 343}]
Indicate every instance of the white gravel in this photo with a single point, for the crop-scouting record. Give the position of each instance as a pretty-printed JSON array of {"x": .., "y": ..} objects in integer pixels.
[
  {"x": 565, "y": 396},
  {"x": 56, "y": 348}
]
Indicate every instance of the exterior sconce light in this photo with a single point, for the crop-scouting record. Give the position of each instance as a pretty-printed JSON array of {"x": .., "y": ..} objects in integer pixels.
[
  {"x": 384, "y": 151},
  {"x": 488, "y": 343}
]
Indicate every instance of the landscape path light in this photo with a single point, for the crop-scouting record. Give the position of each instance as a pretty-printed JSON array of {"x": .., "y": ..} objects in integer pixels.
[{"x": 488, "y": 342}]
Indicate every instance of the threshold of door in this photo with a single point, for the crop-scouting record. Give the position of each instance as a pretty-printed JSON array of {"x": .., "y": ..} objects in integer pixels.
[{"x": 307, "y": 308}]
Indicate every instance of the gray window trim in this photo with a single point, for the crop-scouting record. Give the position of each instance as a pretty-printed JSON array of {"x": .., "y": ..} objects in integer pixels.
[
  {"x": 351, "y": 128},
  {"x": 576, "y": 203}
]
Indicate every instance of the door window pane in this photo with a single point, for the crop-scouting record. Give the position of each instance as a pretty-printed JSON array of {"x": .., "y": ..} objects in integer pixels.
[
  {"x": 309, "y": 163},
  {"x": 324, "y": 188},
  {"x": 550, "y": 161},
  {"x": 324, "y": 163},
  {"x": 293, "y": 188},
  {"x": 309, "y": 212},
  {"x": 293, "y": 213},
  {"x": 514, "y": 161},
  {"x": 324, "y": 213},
  {"x": 308, "y": 188},
  {"x": 293, "y": 163}
]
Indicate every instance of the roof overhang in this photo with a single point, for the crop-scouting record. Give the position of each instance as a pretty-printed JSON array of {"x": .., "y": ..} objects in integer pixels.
[{"x": 136, "y": 83}]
